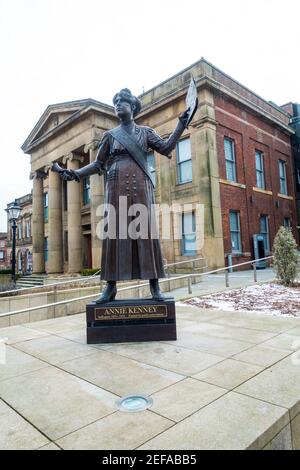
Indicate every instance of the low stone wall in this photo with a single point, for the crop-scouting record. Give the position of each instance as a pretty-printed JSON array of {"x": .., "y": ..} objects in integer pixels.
[
  {"x": 10, "y": 304},
  {"x": 5, "y": 279}
]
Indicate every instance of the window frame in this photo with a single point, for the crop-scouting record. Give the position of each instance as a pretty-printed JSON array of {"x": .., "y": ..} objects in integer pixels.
[
  {"x": 265, "y": 234},
  {"x": 260, "y": 171},
  {"x": 236, "y": 231},
  {"x": 282, "y": 178},
  {"x": 184, "y": 235},
  {"x": 230, "y": 161},
  {"x": 180, "y": 163}
]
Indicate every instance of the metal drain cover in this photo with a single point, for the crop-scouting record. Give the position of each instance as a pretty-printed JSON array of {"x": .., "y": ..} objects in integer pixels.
[{"x": 134, "y": 403}]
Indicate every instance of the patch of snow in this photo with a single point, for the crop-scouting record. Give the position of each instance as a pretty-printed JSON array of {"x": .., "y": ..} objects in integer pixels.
[{"x": 272, "y": 299}]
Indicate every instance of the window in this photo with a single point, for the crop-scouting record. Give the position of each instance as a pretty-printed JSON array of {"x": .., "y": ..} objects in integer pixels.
[
  {"x": 184, "y": 161},
  {"x": 230, "y": 159},
  {"x": 46, "y": 207},
  {"x": 152, "y": 166},
  {"x": 20, "y": 231},
  {"x": 27, "y": 229},
  {"x": 287, "y": 223},
  {"x": 46, "y": 249},
  {"x": 235, "y": 231},
  {"x": 282, "y": 177},
  {"x": 2, "y": 243},
  {"x": 264, "y": 231},
  {"x": 2, "y": 256},
  {"x": 86, "y": 190},
  {"x": 260, "y": 172},
  {"x": 188, "y": 234}
]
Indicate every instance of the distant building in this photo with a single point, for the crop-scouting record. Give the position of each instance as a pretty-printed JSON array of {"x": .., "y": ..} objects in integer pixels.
[
  {"x": 23, "y": 236},
  {"x": 235, "y": 159},
  {"x": 4, "y": 261},
  {"x": 294, "y": 111}
]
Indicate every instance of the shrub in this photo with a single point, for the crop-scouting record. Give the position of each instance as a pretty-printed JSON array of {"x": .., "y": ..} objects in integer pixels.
[
  {"x": 286, "y": 257},
  {"x": 5, "y": 271},
  {"x": 89, "y": 272}
]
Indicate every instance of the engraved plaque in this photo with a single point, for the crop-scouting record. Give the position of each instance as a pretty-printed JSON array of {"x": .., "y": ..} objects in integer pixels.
[{"x": 133, "y": 312}]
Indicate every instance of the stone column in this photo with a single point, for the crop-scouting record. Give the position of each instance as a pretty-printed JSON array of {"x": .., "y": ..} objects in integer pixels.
[
  {"x": 38, "y": 256},
  {"x": 97, "y": 198},
  {"x": 74, "y": 217},
  {"x": 55, "y": 249}
]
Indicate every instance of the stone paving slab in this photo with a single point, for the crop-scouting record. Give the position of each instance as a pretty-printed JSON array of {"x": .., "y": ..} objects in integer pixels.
[
  {"x": 167, "y": 356},
  {"x": 224, "y": 347},
  {"x": 120, "y": 375},
  {"x": 54, "y": 349},
  {"x": 118, "y": 431},
  {"x": 16, "y": 433},
  {"x": 232, "y": 422},
  {"x": 262, "y": 322},
  {"x": 56, "y": 402},
  {"x": 262, "y": 355},
  {"x": 17, "y": 334},
  {"x": 50, "y": 446},
  {"x": 279, "y": 384},
  {"x": 18, "y": 363},
  {"x": 185, "y": 398},
  {"x": 229, "y": 373},
  {"x": 230, "y": 381}
]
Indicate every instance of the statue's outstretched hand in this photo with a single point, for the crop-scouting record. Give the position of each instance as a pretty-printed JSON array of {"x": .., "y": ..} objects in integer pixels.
[
  {"x": 69, "y": 175},
  {"x": 183, "y": 118}
]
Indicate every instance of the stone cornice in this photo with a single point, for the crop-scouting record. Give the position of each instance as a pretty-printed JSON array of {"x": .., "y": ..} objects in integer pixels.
[
  {"x": 206, "y": 81},
  {"x": 30, "y": 144}
]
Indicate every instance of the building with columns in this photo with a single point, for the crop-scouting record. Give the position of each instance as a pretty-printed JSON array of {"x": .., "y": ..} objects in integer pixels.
[
  {"x": 23, "y": 236},
  {"x": 235, "y": 159}
]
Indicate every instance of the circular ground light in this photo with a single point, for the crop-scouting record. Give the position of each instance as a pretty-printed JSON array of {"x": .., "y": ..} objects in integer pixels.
[{"x": 134, "y": 403}]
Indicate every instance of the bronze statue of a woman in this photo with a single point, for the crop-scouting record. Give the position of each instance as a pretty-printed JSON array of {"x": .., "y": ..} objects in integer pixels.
[{"x": 122, "y": 157}]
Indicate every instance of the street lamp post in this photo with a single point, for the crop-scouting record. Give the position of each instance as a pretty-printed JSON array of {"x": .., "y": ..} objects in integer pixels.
[{"x": 13, "y": 210}]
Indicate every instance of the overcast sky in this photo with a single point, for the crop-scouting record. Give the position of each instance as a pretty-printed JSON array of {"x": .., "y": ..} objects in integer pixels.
[{"x": 61, "y": 50}]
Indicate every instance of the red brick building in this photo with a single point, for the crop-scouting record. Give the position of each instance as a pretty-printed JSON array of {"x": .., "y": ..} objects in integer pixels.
[{"x": 257, "y": 188}]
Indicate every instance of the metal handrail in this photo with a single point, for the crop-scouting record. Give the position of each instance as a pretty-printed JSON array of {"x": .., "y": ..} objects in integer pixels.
[
  {"x": 71, "y": 281},
  {"x": 185, "y": 276},
  {"x": 81, "y": 279}
]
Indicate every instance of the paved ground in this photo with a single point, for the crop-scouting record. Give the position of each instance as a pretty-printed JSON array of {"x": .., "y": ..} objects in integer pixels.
[
  {"x": 231, "y": 381},
  {"x": 216, "y": 282}
]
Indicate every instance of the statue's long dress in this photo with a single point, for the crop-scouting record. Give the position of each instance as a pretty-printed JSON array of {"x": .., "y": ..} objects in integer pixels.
[{"x": 127, "y": 258}]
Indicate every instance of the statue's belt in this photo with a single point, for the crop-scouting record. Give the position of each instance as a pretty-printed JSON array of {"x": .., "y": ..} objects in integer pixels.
[{"x": 135, "y": 151}]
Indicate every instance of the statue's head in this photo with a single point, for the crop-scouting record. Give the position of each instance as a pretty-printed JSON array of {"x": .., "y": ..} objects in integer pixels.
[{"x": 123, "y": 98}]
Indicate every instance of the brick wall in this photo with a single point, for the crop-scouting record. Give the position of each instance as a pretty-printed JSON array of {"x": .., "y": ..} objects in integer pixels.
[{"x": 251, "y": 132}]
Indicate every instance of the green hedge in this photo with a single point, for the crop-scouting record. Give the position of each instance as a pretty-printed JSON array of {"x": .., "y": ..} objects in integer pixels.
[
  {"x": 5, "y": 271},
  {"x": 89, "y": 272}
]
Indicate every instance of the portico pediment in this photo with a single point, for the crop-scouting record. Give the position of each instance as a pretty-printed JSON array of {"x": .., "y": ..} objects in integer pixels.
[{"x": 55, "y": 117}]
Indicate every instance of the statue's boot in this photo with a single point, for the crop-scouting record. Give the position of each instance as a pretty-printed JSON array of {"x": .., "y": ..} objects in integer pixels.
[
  {"x": 155, "y": 290},
  {"x": 109, "y": 293}
]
